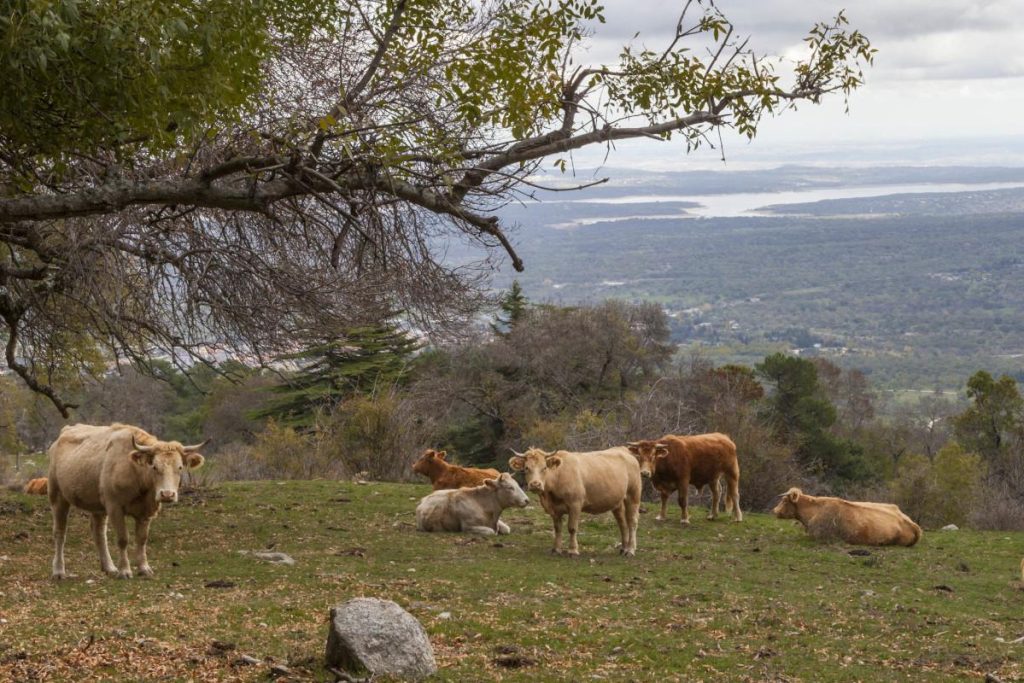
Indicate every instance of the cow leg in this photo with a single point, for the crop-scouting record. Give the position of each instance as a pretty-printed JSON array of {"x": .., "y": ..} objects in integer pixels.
[
  {"x": 734, "y": 494},
  {"x": 141, "y": 538},
  {"x": 664, "y": 505},
  {"x": 620, "y": 519},
  {"x": 716, "y": 499},
  {"x": 684, "y": 494},
  {"x": 503, "y": 528},
  {"x": 557, "y": 521},
  {"x": 574, "y": 527},
  {"x": 116, "y": 514},
  {"x": 481, "y": 530},
  {"x": 60, "y": 508},
  {"x": 98, "y": 522}
]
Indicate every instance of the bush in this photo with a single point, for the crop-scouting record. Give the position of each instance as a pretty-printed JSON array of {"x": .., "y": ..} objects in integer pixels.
[{"x": 947, "y": 490}]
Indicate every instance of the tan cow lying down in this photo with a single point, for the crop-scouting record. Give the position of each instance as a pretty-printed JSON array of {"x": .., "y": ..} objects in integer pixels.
[
  {"x": 827, "y": 518},
  {"x": 444, "y": 475},
  {"x": 596, "y": 482},
  {"x": 474, "y": 510},
  {"x": 674, "y": 463},
  {"x": 36, "y": 486},
  {"x": 114, "y": 472}
]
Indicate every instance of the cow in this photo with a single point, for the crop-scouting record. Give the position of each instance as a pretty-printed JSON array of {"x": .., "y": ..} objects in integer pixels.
[
  {"x": 113, "y": 472},
  {"x": 36, "y": 486},
  {"x": 474, "y": 510},
  {"x": 595, "y": 482},
  {"x": 826, "y": 518},
  {"x": 674, "y": 463},
  {"x": 444, "y": 475}
]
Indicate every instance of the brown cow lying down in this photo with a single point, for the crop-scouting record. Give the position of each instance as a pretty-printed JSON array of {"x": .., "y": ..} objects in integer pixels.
[
  {"x": 117, "y": 471},
  {"x": 596, "y": 482},
  {"x": 827, "y": 518},
  {"x": 674, "y": 463},
  {"x": 36, "y": 486},
  {"x": 475, "y": 510},
  {"x": 447, "y": 476}
]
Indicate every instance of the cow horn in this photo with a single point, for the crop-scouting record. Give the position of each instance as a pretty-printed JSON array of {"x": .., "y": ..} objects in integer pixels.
[
  {"x": 192, "y": 449},
  {"x": 514, "y": 451},
  {"x": 139, "y": 447}
]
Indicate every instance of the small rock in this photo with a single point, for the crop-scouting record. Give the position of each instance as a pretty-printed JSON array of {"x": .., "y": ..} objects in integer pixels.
[
  {"x": 246, "y": 660},
  {"x": 951, "y": 527},
  {"x": 278, "y": 670},
  {"x": 860, "y": 552},
  {"x": 219, "y": 583},
  {"x": 274, "y": 557},
  {"x": 943, "y": 587},
  {"x": 444, "y": 615},
  {"x": 868, "y": 594},
  {"x": 380, "y": 637}
]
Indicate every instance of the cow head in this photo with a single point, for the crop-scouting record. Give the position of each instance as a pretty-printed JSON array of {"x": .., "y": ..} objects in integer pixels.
[
  {"x": 508, "y": 492},
  {"x": 534, "y": 462},
  {"x": 428, "y": 462},
  {"x": 786, "y": 509},
  {"x": 647, "y": 454},
  {"x": 164, "y": 461}
]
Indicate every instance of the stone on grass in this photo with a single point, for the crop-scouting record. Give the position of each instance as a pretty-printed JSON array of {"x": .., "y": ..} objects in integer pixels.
[
  {"x": 951, "y": 527},
  {"x": 369, "y": 634},
  {"x": 276, "y": 558}
]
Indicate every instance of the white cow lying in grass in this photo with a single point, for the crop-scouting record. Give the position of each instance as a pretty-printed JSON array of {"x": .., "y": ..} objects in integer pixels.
[{"x": 475, "y": 510}]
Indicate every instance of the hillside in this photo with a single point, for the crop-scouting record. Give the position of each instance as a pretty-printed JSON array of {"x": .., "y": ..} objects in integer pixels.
[
  {"x": 919, "y": 289},
  {"x": 716, "y": 602}
]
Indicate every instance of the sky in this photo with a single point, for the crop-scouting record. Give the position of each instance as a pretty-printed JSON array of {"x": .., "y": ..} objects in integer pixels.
[{"x": 947, "y": 86}]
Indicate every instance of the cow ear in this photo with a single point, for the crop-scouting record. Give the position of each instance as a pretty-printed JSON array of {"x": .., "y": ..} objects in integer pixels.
[
  {"x": 440, "y": 455},
  {"x": 140, "y": 458},
  {"x": 517, "y": 463},
  {"x": 553, "y": 461},
  {"x": 491, "y": 483},
  {"x": 634, "y": 448},
  {"x": 194, "y": 460},
  {"x": 660, "y": 450}
]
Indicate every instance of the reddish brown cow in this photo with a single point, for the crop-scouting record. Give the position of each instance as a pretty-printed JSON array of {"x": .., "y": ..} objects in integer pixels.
[
  {"x": 36, "y": 486},
  {"x": 447, "y": 476},
  {"x": 674, "y": 463}
]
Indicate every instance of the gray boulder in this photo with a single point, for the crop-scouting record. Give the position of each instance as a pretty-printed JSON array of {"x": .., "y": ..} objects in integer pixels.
[{"x": 368, "y": 634}]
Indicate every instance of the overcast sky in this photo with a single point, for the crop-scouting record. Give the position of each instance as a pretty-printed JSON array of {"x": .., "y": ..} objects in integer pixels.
[{"x": 947, "y": 85}]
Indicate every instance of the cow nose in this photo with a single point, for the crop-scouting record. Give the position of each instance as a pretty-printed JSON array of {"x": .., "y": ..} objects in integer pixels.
[
  {"x": 168, "y": 496},
  {"x": 645, "y": 473},
  {"x": 535, "y": 486}
]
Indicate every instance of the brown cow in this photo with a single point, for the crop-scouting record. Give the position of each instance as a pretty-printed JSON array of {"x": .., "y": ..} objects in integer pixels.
[
  {"x": 36, "y": 486},
  {"x": 114, "y": 472},
  {"x": 596, "y": 482},
  {"x": 826, "y": 518},
  {"x": 674, "y": 463},
  {"x": 444, "y": 475}
]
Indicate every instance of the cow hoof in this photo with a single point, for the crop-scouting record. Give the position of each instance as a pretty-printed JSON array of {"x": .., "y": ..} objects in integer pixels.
[
  {"x": 685, "y": 522},
  {"x": 556, "y": 551},
  {"x": 629, "y": 553},
  {"x": 127, "y": 574},
  {"x": 144, "y": 571},
  {"x": 659, "y": 518},
  {"x": 60, "y": 576},
  {"x": 574, "y": 554}
]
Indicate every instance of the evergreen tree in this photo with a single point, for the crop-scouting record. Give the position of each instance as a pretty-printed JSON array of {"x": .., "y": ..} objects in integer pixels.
[
  {"x": 328, "y": 373},
  {"x": 512, "y": 308}
]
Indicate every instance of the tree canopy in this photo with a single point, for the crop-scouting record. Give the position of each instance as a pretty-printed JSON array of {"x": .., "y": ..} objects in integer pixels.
[{"x": 219, "y": 177}]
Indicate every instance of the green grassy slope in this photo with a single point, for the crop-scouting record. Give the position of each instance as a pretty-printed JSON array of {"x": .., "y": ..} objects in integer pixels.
[{"x": 718, "y": 601}]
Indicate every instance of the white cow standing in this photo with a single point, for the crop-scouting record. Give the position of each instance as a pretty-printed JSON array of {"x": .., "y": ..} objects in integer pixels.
[
  {"x": 113, "y": 472},
  {"x": 474, "y": 510}
]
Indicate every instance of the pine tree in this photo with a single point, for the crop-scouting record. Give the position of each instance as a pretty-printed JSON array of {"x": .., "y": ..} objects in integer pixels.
[
  {"x": 328, "y": 373},
  {"x": 512, "y": 308}
]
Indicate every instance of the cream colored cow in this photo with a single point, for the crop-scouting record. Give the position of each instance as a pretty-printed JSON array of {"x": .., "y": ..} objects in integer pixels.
[
  {"x": 596, "y": 482},
  {"x": 114, "y": 472},
  {"x": 859, "y": 523},
  {"x": 474, "y": 510}
]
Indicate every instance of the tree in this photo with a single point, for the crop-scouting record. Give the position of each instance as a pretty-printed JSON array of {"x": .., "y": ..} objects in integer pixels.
[
  {"x": 365, "y": 359},
  {"x": 225, "y": 176},
  {"x": 512, "y": 307}
]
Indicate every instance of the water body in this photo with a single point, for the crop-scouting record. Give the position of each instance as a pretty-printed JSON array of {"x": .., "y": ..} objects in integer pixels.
[{"x": 747, "y": 203}]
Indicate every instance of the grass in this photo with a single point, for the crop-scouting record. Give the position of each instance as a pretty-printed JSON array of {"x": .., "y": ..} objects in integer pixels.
[{"x": 715, "y": 602}]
